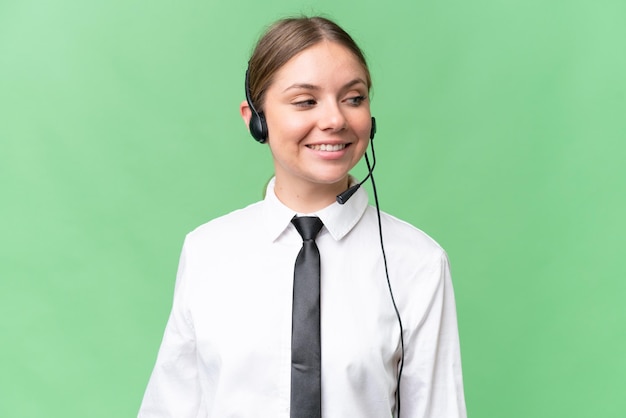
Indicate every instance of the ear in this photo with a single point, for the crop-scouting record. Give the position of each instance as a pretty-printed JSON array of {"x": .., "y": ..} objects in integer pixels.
[{"x": 245, "y": 112}]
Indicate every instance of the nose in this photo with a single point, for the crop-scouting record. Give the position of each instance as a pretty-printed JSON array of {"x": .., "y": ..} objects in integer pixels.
[{"x": 332, "y": 118}]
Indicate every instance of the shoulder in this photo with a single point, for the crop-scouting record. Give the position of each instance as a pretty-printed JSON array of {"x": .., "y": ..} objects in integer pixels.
[
  {"x": 418, "y": 266},
  {"x": 403, "y": 236},
  {"x": 227, "y": 227},
  {"x": 413, "y": 256}
]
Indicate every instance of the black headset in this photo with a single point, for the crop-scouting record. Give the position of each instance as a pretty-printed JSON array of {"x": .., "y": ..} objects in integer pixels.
[{"x": 258, "y": 125}]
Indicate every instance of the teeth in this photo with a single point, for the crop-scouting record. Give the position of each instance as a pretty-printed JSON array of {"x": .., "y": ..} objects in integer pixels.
[{"x": 328, "y": 147}]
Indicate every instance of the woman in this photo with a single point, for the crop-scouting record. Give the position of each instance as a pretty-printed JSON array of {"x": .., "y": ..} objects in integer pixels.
[{"x": 233, "y": 333}]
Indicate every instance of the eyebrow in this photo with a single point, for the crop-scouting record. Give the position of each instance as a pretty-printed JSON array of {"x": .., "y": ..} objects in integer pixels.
[{"x": 307, "y": 86}]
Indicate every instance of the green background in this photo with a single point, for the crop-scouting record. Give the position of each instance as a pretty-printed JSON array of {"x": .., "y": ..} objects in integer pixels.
[{"x": 501, "y": 133}]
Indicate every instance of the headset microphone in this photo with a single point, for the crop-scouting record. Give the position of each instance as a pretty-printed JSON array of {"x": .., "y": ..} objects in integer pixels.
[{"x": 343, "y": 197}]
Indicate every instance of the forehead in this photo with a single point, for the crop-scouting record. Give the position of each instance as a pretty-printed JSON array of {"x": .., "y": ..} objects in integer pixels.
[{"x": 326, "y": 62}]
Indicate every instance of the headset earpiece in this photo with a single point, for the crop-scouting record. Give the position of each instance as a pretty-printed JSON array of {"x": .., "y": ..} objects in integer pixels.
[
  {"x": 373, "y": 130},
  {"x": 257, "y": 125}
]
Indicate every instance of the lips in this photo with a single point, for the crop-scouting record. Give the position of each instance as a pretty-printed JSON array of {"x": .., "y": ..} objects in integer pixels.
[{"x": 328, "y": 147}]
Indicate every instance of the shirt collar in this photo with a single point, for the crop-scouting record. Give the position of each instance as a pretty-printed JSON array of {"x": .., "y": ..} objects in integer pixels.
[{"x": 338, "y": 219}]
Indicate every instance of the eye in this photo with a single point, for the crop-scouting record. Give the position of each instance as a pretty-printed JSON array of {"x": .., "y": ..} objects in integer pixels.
[
  {"x": 305, "y": 103},
  {"x": 356, "y": 100}
]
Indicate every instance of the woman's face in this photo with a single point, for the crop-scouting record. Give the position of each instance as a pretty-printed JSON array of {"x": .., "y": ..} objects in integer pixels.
[{"x": 318, "y": 116}]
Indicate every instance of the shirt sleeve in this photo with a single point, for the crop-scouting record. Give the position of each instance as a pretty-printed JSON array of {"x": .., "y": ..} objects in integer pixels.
[
  {"x": 432, "y": 383},
  {"x": 174, "y": 388}
]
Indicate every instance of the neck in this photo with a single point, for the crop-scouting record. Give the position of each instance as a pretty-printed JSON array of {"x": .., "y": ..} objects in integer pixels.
[{"x": 306, "y": 197}]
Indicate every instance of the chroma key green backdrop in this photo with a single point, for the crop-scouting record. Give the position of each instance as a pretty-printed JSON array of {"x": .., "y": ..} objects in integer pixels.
[{"x": 502, "y": 131}]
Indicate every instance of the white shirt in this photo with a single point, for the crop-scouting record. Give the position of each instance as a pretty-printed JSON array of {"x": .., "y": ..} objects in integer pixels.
[{"x": 226, "y": 351}]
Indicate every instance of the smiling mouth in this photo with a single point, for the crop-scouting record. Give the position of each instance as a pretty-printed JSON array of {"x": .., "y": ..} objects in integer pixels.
[{"x": 327, "y": 147}]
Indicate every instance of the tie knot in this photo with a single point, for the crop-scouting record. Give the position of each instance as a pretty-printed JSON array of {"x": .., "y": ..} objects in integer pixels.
[{"x": 307, "y": 226}]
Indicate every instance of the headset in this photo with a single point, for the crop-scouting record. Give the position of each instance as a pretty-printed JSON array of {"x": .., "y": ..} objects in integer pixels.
[{"x": 259, "y": 131}]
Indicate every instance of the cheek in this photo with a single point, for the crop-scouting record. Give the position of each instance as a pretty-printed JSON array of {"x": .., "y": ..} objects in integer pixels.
[
  {"x": 364, "y": 127},
  {"x": 287, "y": 128}
]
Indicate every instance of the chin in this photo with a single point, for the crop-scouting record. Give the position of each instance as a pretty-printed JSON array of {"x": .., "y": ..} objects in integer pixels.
[{"x": 330, "y": 179}]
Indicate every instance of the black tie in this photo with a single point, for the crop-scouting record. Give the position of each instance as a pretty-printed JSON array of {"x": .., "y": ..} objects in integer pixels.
[{"x": 306, "y": 356}]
